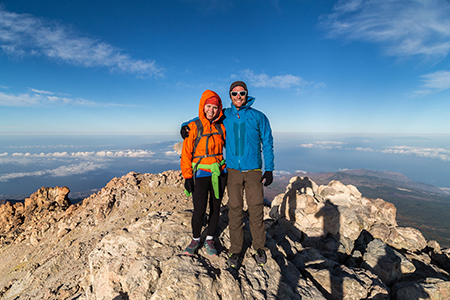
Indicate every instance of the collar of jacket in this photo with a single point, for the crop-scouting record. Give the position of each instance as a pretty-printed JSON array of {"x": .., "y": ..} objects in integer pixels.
[{"x": 250, "y": 101}]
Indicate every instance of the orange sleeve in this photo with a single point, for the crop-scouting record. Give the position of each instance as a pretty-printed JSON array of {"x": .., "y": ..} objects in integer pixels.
[{"x": 186, "y": 153}]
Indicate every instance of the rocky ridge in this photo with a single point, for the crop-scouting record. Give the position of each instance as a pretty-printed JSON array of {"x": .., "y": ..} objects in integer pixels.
[{"x": 125, "y": 241}]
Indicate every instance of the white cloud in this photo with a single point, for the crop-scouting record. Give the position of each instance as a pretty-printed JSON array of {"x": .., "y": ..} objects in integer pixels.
[
  {"x": 4, "y": 154},
  {"x": 434, "y": 82},
  {"x": 62, "y": 171},
  {"x": 403, "y": 28},
  {"x": 263, "y": 80},
  {"x": 301, "y": 171},
  {"x": 26, "y": 35},
  {"x": 75, "y": 169},
  {"x": 281, "y": 173},
  {"x": 323, "y": 145},
  {"x": 364, "y": 149},
  {"x": 280, "y": 81},
  {"x": 437, "y": 153},
  {"x": 41, "y": 92},
  {"x": 309, "y": 145},
  {"x": 20, "y": 100},
  {"x": 90, "y": 154},
  {"x": 171, "y": 153},
  {"x": 43, "y": 98}
]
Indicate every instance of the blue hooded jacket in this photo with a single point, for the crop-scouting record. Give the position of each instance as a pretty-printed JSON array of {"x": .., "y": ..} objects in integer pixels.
[{"x": 248, "y": 135}]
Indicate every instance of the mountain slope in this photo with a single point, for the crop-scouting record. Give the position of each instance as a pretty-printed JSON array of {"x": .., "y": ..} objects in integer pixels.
[{"x": 124, "y": 242}]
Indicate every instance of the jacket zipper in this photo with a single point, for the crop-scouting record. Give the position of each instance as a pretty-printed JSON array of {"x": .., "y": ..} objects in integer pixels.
[{"x": 239, "y": 139}]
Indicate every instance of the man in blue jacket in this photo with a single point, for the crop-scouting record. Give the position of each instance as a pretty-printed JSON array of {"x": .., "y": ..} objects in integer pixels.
[{"x": 248, "y": 133}]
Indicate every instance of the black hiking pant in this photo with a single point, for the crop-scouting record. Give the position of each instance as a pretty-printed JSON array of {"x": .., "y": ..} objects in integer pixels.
[{"x": 203, "y": 190}]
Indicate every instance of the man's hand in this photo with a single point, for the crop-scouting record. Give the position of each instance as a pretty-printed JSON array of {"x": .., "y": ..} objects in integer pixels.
[
  {"x": 268, "y": 176},
  {"x": 184, "y": 132},
  {"x": 189, "y": 185}
]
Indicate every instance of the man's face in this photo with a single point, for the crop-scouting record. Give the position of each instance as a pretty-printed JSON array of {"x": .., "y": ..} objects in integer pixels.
[{"x": 238, "y": 100}]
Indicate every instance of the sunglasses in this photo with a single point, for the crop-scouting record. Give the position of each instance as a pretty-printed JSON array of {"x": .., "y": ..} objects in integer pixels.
[{"x": 242, "y": 93}]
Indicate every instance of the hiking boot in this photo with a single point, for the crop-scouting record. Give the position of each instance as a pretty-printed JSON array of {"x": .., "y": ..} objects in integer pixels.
[
  {"x": 233, "y": 260},
  {"x": 260, "y": 257},
  {"x": 191, "y": 248},
  {"x": 210, "y": 248}
]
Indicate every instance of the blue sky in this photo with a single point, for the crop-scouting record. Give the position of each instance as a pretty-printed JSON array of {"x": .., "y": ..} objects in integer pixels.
[{"x": 141, "y": 66}]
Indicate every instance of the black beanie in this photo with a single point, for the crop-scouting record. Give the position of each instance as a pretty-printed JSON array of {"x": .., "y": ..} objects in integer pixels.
[{"x": 238, "y": 83}]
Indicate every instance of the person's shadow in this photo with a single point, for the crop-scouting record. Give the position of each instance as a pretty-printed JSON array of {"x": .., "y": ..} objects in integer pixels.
[
  {"x": 391, "y": 261},
  {"x": 285, "y": 234},
  {"x": 329, "y": 245}
]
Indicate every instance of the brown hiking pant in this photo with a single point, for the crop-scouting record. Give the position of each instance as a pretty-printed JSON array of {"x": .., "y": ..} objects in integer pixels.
[{"x": 250, "y": 181}]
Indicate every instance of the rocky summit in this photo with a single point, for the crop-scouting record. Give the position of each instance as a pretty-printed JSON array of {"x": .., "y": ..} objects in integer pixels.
[{"x": 126, "y": 242}]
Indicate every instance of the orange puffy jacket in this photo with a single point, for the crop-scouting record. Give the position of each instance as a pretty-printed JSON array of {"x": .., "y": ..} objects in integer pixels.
[{"x": 215, "y": 142}]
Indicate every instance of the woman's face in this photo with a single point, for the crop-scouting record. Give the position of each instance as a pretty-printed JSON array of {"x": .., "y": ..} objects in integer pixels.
[{"x": 211, "y": 111}]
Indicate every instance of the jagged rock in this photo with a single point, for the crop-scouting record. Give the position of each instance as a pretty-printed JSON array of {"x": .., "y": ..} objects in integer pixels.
[
  {"x": 341, "y": 210},
  {"x": 125, "y": 241},
  {"x": 340, "y": 282},
  {"x": 442, "y": 259},
  {"x": 406, "y": 238},
  {"x": 434, "y": 246},
  {"x": 383, "y": 261},
  {"x": 430, "y": 288},
  {"x": 33, "y": 217},
  {"x": 48, "y": 198}
]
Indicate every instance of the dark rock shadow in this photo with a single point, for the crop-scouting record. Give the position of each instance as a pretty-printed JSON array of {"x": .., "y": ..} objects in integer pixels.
[
  {"x": 390, "y": 259},
  {"x": 121, "y": 296}
]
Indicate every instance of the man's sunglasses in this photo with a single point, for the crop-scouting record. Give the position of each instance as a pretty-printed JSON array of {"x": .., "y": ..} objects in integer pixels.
[{"x": 242, "y": 93}]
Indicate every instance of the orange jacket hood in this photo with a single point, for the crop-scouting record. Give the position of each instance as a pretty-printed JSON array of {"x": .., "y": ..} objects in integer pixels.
[{"x": 201, "y": 107}]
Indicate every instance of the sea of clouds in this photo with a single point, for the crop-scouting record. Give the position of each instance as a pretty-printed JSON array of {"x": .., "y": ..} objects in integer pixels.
[{"x": 27, "y": 164}]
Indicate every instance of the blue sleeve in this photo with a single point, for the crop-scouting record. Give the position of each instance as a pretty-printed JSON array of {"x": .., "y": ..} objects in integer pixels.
[
  {"x": 191, "y": 120},
  {"x": 267, "y": 143}
]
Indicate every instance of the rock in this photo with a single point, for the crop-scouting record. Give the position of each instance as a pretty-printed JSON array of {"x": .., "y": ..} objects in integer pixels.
[
  {"x": 126, "y": 241},
  {"x": 340, "y": 282},
  {"x": 430, "y": 288},
  {"x": 178, "y": 147},
  {"x": 434, "y": 246},
  {"x": 383, "y": 261},
  {"x": 406, "y": 238}
]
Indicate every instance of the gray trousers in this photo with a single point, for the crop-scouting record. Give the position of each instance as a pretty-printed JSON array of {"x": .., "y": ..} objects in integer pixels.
[{"x": 250, "y": 181}]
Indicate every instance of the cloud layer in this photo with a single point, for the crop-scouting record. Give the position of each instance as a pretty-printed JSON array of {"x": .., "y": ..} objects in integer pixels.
[
  {"x": 87, "y": 154},
  {"x": 427, "y": 152},
  {"x": 72, "y": 169},
  {"x": 25, "y": 35}
]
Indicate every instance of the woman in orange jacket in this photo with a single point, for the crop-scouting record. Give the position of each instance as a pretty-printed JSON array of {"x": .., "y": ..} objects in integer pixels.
[{"x": 203, "y": 168}]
